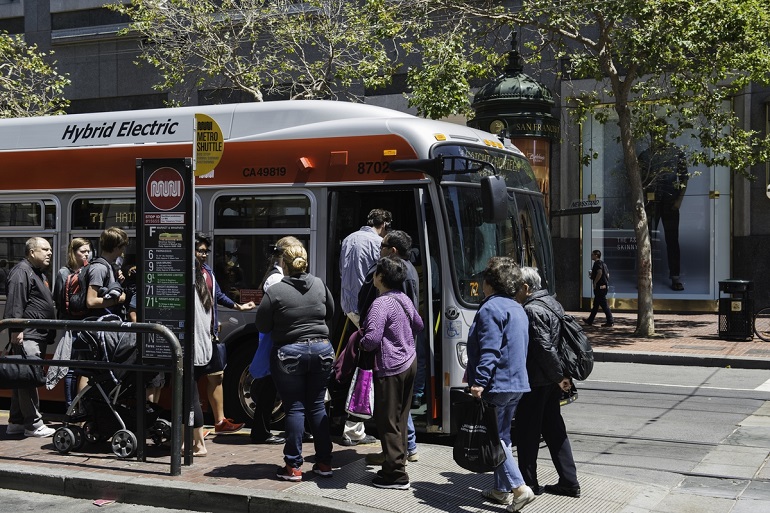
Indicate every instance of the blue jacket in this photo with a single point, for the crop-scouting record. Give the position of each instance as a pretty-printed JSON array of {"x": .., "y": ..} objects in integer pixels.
[{"x": 497, "y": 346}]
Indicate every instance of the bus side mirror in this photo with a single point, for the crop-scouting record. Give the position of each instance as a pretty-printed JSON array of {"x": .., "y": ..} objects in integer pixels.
[{"x": 494, "y": 198}]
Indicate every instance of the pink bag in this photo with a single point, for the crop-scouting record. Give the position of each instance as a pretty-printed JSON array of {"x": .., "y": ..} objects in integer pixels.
[{"x": 360, "y": 401}]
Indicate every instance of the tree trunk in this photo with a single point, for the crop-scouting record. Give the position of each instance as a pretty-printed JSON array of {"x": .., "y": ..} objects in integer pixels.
[{"x": 645, "y": 321}]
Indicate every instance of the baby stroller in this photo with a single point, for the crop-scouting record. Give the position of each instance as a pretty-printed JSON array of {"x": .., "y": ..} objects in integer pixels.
[{"x": 106, "y": 407}]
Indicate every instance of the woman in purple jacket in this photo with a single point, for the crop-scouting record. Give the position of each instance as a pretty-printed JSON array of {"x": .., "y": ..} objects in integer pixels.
[
  {"x": 497, "y": 369},
  {"x": 389, "y": 330}
]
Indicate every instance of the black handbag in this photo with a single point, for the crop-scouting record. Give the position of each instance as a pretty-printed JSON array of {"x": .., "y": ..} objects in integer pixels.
[
  {"x": 21, "y": 375},
  {"x": 477, "y": 444}
]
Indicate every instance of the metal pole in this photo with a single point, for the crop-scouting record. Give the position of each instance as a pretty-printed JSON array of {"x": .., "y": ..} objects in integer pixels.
[{"x": 137, "y": 327}]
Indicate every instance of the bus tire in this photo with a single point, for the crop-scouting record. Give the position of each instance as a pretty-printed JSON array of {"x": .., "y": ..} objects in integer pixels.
[{"x": 239, "y": 404}]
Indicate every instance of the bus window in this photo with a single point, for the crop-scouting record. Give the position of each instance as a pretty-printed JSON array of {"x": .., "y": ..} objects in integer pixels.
[
  {"x": 536, "y": 241},
  {"x": 290, "y": 211},
  {"x": 28, "y": 214},
  {"x": 240, "y": 260},
  {"x": 101, "y": 213}
]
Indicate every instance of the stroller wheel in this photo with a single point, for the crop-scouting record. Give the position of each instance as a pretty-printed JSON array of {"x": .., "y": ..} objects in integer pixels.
[
  {"x": 160, "y": 431},
  {"x": 92, "y": 433},
  {"x": 80, "y": 437},
  {"x": 124, "y": 443},
  {"x": 64, "y": 440}
]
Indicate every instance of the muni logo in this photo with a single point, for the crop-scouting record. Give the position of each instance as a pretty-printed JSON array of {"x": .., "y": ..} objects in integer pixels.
[{"x": 165, "y": 188}]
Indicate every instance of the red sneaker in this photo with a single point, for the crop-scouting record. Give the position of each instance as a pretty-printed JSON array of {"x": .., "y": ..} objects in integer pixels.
[
  {"x": 227, "y": 426},
  {"x": 322, "y": 469},
  {"x": 288, "y": 473}
]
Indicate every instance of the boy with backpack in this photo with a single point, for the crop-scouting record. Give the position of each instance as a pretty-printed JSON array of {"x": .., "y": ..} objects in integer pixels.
[{"x": 104, "y": 293}]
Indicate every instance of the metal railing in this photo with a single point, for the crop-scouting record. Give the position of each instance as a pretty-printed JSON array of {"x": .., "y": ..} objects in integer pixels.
[{"x": 175, "y": 368}]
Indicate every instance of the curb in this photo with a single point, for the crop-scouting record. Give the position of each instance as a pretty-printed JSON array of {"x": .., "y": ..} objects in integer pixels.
[
  {"x": 164, "y": 493},
  {"x": 681, "y": 359}
]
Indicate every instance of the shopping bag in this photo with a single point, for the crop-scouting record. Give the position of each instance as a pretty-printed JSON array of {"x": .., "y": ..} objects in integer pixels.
[
  {"x": 477, "y": 445},
  {"x": 360, "y": 401},
  {"x": 21, "y": 375},
  {"x": 260, "y": 365}
]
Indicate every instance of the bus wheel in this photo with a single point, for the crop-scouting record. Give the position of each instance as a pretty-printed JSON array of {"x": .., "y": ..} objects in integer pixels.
[{"x": 239, "y": 404}]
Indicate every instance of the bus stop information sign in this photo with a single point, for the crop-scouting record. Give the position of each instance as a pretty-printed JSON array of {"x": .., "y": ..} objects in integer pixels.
[{"x": 164, "y": 196}]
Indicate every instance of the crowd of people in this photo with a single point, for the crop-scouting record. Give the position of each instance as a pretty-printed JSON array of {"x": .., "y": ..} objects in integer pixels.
[{"x": 513, "y": 361}]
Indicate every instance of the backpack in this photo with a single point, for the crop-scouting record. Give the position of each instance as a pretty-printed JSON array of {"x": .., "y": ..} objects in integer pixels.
[
  {"x": 575, "y": 351},
  {"x": 75, "y": 290}
]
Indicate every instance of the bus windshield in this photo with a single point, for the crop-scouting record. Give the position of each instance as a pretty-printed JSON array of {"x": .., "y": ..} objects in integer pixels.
[{"x": 523, "y": 235}]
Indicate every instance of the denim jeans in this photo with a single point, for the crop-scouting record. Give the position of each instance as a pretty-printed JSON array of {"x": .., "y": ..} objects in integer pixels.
[
  {"x": 301, "y": 373},
  {"x": 411, "y": 436},
  {"x": 507, "y": 476}
]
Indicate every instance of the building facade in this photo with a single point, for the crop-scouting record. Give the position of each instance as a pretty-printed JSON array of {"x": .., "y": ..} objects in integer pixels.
[{"x": 722, "y": 232}]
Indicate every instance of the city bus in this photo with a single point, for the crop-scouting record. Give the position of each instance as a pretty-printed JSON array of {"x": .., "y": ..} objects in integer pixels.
[{"x": 311, "y": 169}]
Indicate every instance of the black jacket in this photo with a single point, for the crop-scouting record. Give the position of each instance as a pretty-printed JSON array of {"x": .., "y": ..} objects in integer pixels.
[
  {"x": 30, "y": 298},
  {"x": 544, "y": 366}
]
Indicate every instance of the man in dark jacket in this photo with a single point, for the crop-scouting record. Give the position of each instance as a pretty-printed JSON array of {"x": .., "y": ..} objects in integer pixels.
[
  {"x": 29, "y": 297},
  {"x": 539, "y": 410}
]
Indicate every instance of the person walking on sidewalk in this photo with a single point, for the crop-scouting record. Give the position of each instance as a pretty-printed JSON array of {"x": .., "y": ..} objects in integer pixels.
[
  {"x": 539, "y": 411},
  {"x": 29, "y": 297},
  {"x": 600, "y": 277},
  {"x": 497, "y": 369}
]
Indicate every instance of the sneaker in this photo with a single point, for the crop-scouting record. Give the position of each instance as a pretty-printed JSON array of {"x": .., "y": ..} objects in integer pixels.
[
  {"x": 497, "y": 496},
  {"x": 412, "y": 456},
  {"x": 227, "y": 426},
  {"x": 381, "y": 482},
  {"x": 41, "y": 432},
  {"x": 307, "y": 437},
  {"x": 608, "y": 325},
  {"x": 416, "y": 401},
  {"x": 522, "y": 500},
  {"x": 587, "y": 322},
  {"x": 288, "y": 473},
  {"x": 567, "y": 491},
  {"x": 367, "y": 440},
  {"x": 322, "y": 469},
  {"x": 14, "y": 429}
]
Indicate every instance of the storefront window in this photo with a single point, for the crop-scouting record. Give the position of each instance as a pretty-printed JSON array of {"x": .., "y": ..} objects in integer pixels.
[{"x": 689, "y": 223}]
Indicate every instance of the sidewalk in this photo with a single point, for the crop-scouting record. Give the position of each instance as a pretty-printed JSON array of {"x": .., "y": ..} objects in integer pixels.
[
  {"x": 238, "y": 476},
  {"x": 681, "y": 339}
]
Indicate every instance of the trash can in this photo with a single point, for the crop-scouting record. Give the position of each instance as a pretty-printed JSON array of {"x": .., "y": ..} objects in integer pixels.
[{"x": 736, "y": 310}]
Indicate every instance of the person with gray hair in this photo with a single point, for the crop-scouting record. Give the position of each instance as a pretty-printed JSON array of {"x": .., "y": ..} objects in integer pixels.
[
  {"x": 539, "y": 411},
  {"x": 497, "y": 370}
]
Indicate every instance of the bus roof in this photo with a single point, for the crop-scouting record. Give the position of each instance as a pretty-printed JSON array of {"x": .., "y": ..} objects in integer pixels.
[{"x": 278, "y": 120}]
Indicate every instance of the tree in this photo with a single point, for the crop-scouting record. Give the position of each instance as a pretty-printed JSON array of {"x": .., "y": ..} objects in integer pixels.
[
  {"x": 309, "y": 50},
  {"x": 669, "y": 67},
  {"x": 29, "y": 84}
]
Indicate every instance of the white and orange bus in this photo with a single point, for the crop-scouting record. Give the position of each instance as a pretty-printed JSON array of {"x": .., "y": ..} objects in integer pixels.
[{"x": 311, "y": 169}]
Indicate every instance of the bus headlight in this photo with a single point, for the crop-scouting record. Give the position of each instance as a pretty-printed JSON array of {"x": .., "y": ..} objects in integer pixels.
[{"x": 462, "y": 354}]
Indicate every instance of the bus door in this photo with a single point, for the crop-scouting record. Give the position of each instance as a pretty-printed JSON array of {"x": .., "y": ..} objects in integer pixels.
[{"x": 348, "y": 210}]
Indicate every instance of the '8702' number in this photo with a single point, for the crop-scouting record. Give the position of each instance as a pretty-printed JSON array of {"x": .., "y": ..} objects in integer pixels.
[{"x": 367, "y": 168}]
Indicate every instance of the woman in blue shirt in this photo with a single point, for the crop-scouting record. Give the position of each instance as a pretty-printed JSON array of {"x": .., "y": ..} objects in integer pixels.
[{"x": 497, "y": 369}]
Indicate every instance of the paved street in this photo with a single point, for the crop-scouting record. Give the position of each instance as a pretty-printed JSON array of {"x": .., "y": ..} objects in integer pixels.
[{"x": 647, "y": 438}]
